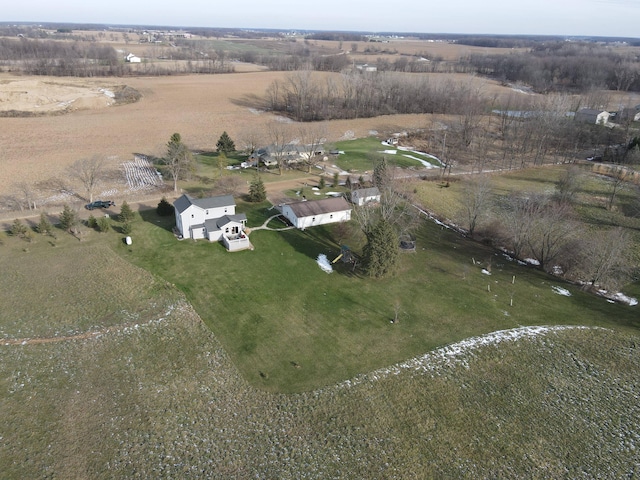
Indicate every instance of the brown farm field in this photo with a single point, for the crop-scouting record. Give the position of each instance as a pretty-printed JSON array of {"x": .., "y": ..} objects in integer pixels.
[{"x": 200, "y": 108}]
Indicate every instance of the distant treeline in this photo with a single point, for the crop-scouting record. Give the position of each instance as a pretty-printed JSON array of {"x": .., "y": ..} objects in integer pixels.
[
  {"x": 564, "y": 66},
  {"x": 88, "y": 59}
]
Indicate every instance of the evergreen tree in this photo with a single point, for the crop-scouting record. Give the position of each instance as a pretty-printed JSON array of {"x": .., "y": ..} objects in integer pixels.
[
  {"x": 257, "y": 192},
  {"x": 381, "y": 174},
  {"x": 18, "y": 229},
  {"x": 321, "y": 183},
  {"x": 225, "y": 144},
  {"x": 381, "y": 251},
  {"x": 44, "y": 226},
  {"x": 68, "y": 218},
  {"x": 91, "y": 221},
  {"x": 164, "y": 209},
  {"x": 336, "y": 179},
  {"x": 126, "y": 214},
  {"x": 103, "y": 224}
]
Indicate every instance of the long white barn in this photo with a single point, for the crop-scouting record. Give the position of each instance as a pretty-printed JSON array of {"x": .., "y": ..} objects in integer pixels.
[{"x": 317, "y": 212}]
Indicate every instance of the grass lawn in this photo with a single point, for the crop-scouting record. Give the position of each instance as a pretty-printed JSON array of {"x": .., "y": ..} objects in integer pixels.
[
  {"x": 290, "y": 327},
  {"x": 360, "y": 156}
]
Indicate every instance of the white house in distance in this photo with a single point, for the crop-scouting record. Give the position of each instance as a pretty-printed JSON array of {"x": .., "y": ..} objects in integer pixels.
[
  {"x": 363, "y": 196},
  {"x": 317, "y": 212},
  {"x": 131, "y": 58},
  {"x": 212, "y": 218}
]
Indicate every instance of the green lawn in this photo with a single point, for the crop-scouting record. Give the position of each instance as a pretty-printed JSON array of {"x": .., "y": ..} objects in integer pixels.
[
  {"x": 289, "y": 326},
  {"x": 155, "y": 394},
  {"x": 361, "y": 156}
]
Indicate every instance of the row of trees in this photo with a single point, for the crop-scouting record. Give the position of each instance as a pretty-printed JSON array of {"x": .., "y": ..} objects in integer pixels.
[
  {"x": 563, "y": 65},
  {"x": 545, "y": 227}
]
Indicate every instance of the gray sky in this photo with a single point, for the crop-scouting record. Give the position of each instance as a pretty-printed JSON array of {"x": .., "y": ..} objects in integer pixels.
[{"x": 555, "y": 17}]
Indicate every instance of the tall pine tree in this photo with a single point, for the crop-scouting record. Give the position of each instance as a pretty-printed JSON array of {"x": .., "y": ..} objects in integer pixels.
[
  {"x": 225, "y": 144},
  {"x": 257, "y": 192},
  {"x": 381, "y": 251}
]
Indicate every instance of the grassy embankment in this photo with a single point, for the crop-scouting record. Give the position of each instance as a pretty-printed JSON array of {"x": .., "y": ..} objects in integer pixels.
[{"x": 156, "y": 396}]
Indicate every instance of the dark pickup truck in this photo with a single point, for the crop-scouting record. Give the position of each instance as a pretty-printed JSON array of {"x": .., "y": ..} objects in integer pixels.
[{"x": 100, "y": 204}]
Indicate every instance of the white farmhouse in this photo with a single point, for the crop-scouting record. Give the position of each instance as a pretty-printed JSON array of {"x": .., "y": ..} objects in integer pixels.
[
  {"x": 131, "y": 58},
  {"x": 212, "y": 218},
  {"x": 363, "y": 196},
  {"x": 317, "y": 212}
]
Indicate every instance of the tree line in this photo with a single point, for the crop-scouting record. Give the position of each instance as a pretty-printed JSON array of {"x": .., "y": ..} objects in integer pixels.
[{"x": 563, "y": 66}]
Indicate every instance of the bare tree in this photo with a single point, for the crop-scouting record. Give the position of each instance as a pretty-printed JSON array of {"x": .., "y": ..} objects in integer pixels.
[
  {"x": 178, "y": 162},
  {"x": 618, "y": 178},
  {"x": 91, "y": 172},
  {"x": 606, "y": 260},
  {"x": 551, "y": 227},
  {"x": 312, "y": 138},
  {"x": 26, "y": 195},
  {"x": 568, "y": 185},
  {"x": 280, "y": 136},
  {"x": 476, "y": 196}
]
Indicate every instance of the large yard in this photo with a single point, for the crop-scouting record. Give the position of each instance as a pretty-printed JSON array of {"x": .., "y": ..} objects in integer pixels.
[{"x": 153, "y": 393}]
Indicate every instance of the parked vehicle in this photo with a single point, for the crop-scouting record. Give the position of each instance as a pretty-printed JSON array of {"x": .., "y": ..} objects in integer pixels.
[{"x": 100, "y": 204}]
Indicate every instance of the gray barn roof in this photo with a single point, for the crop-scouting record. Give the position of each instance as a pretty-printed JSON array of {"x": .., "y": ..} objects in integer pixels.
[{"x": 318, "y": 207}]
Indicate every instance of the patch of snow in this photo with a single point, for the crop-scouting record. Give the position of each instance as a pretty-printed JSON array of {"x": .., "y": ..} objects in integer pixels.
[
  {"x": 424, "y": 163},
  {"x": 323, "y": 263},
  {"x": 389, "y": 152},
  {"x": 315, "y": 188},
  {"x": 622, "y": 298},
  {"x": 255, "y": 111},
  {"x": 333, "y": 194},
  {"x": 108, "y": 93},
  {"x": 317, "y": 193},
  {"x": 486, "y": 272},
  {"x": 373, "y": 132},
  {"x": 531, "y": 261},
  {"x": 561, "y": 291},
  {"x": 456, "y": 354}
]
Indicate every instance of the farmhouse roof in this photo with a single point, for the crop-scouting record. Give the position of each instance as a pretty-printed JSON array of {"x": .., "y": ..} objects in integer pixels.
[
  {"x": 239, "y": 218},
  {"x": 318, "y": 207},
  {"x": 368, "y": 192},
  {"x": 185, "y": 201}
]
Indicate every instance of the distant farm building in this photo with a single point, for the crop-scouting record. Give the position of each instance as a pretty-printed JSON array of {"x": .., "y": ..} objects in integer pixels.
[
  {"x": 590, "y": 115},
  {"x": 363, "y": 196},
  {"x": 131, "y": 58}
]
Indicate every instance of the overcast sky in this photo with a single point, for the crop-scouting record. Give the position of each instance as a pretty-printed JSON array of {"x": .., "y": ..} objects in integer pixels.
[{"x": 554, "y": 17}]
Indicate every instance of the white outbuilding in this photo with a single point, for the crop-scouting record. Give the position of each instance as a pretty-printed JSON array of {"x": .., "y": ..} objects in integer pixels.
[{"x": 317, "y": 212}]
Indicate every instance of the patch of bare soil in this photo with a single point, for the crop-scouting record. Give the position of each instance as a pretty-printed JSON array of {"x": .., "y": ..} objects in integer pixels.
[{"x": 46, "y": 96}]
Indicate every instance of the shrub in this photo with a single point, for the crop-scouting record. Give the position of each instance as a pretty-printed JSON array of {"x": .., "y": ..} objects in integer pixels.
[
  {"x": 68, "y": 218},
  {"x": 44, "y": 226},
  {"x": 126, "y": 214},
  {"x": 126, "y": 228},
  {"x": 103, "y": 224},
  {"x": 321, "y": 183},
  {"x": 91, "y": 221},
  {"x": 18, "y": 229}
]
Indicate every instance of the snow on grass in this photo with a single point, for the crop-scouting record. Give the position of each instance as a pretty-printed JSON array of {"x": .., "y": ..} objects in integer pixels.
[
  {"x": 457, "y": 354},
  {"x": 323, "y": 263},
  {"x": 561, "y": 291},
  {"x": 622, "y": 298},
  {"x": 486, "y": 272}
]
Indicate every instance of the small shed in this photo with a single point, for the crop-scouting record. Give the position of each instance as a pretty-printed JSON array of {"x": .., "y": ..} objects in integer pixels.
[{"x": 363, "y": 196}]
